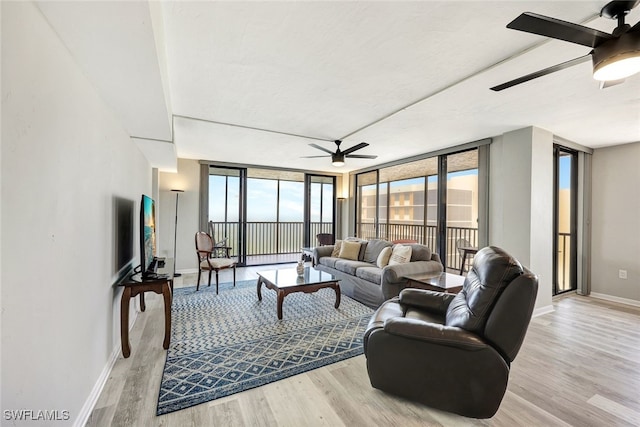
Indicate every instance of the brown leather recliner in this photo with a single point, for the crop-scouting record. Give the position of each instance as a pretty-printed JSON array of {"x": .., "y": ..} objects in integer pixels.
[{"x": 453, "y": 352}]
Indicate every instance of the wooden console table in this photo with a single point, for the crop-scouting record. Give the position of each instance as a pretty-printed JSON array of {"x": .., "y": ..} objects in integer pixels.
[{"x": 135, "y": 285}]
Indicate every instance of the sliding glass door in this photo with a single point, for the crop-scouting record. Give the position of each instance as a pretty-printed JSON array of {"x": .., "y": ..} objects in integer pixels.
[
  {"x": 321, "y": 207},
  {"x": 225, "y": 208},
  {"x": 565, "y": 259}
]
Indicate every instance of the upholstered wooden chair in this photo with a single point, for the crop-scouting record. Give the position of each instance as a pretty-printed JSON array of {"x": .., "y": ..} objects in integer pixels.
[
  {"x": 219, "y": 247},
  {"x": 207, "y": 259}
]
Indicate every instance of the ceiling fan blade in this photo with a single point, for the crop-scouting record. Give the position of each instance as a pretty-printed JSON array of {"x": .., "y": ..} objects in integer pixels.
[
  {"x": 361, "y": 156},
  {"x": 606, "y": 84},
  {"x": 321, "y": 148},
  {"x": 355, "y": 147},
  {"x": 541, "y": 73},
  {"x": 312, "y": 157},
  {"x": 562, "y": 30}
]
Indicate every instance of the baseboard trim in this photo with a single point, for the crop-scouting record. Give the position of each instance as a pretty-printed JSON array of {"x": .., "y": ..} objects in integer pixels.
[
  {"x": 543, "y": 310},
  {"x": 90, "y": 403},
  {"x": 612, "y": 298},
  {"x": 88, "y": 406}
]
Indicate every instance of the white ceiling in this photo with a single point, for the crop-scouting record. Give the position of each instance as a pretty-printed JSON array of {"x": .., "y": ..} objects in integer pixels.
[{"x": 256, "y": 82}]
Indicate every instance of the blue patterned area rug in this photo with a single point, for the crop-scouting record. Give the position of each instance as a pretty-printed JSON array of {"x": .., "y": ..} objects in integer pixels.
[{"x": 231, "y": 342}]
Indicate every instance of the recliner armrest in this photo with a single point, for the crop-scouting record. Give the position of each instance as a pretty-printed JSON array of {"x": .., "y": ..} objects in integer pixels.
[
  {"x": 434, "y": 333},
  {"x": 436, "y": 302}
]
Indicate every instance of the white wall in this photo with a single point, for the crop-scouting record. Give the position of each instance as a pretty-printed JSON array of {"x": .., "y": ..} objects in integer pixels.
[
  {"x": 64, "y": 160},
  {"x": 188, "y": 179},
  {"x": 616, "y": 221},
  {"x": 521, "y": 202}
]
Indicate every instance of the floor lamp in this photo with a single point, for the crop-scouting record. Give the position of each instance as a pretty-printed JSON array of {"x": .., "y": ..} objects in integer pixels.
[{"x": 175, "y": 234}]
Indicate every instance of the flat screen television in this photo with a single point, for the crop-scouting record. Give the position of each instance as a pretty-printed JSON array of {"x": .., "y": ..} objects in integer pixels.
[{"x": 147, "y": 236}]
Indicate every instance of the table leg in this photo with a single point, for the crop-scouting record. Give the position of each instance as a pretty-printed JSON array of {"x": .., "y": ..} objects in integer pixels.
[
  {"x": 143, "y": 306},
  {"x": 337, "y": 289},
  {"x": 280, "y": 301},
  {"x": 259, "y": 289},
  {"x": 464, "y": 259},
  {"x": 124, "y": 322},
  {"x": 166, "y": 293}
]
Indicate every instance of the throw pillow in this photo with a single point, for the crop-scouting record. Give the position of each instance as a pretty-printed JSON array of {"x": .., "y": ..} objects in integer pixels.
[
  {"x": 383, "y": 258},
  {"x": 400, "y": 255},
  {"x": 336, "y": 249},
  {"x": 350, "y": 250}
]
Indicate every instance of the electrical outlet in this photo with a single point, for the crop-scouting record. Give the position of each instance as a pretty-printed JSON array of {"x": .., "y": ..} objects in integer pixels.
[{"x": 622, "y": 274}]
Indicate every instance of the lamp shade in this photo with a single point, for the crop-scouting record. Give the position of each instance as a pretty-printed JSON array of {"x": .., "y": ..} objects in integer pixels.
[{"x": 617, "y": 59}]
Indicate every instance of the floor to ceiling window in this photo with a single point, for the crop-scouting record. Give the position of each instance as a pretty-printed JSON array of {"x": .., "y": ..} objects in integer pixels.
[
  {"x": 367, "y": 205},
  {"x": 225, "y": 207},
  {"x": 409, "y": 202},
  {"x": 321, "y": 207},
  {"x": 267, "y": 215},
  {"x": 462, "y": 205}
]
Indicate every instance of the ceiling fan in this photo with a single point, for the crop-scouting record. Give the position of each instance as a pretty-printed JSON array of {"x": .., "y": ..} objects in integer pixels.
[
  {"x": 615, "y": 56},
  {"x": 337, "y": 158}
]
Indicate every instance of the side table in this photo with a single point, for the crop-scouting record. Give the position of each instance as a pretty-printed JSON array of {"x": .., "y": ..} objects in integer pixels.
[
  {"x": 135, "y": 285},
  {"x": 439, "y": 282}
]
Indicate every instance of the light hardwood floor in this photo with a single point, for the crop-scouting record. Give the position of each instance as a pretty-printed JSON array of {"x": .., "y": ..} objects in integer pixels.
[{"x": 579, "y": 366}]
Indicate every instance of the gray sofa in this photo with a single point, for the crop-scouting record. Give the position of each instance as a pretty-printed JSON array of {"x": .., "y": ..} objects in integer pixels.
[{"x": 363, "y": 281}]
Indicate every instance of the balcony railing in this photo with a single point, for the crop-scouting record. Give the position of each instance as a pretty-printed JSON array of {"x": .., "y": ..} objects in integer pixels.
[
  {"x": 274, "y": 238},
  {"x": 268, "y": 238},
  {"x": 424, "y": 234}
]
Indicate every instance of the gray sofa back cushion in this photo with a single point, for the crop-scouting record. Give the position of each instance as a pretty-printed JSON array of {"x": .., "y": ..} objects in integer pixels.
[
  {"x": 373, "y": 249},
  {"x": 419, "y": 252}
]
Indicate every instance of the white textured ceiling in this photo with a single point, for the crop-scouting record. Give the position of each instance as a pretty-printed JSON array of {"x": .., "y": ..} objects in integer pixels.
[{"x": 246, "y": 82}]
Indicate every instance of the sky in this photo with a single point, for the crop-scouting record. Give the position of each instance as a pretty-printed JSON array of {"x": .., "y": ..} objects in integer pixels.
[{"x": 262, "y": 202}]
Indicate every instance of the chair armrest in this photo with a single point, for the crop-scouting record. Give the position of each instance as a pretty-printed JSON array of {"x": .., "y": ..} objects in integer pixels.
[
  {"x": 436, "y": 302},
  {"x": 420, "y": 330}
]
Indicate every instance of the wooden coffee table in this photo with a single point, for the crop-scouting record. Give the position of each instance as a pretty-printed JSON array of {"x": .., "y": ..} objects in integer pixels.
[
  {"x": 287, "y": 281},
  {"x": 439, "y": 282}
]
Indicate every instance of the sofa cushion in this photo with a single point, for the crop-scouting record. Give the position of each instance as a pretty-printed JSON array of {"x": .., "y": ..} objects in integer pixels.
[
  {"x": 370, "y": 274},
  {"x": 420, "y": 252},
  {"x": 350, "y": 250},
  {"x": 373, "y": 249},
  {"x": 383, "y": 258},
  {"x": 400, "y": 255},
  {"x": 348, "y": 266},
  {"x": 328, "y": 261}
]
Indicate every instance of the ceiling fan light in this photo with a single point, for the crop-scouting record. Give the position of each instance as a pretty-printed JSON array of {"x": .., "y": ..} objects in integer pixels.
[
  {"x": 618, "y": 67},
  {"x": 337, "y": 159},
  {"x": 617, "y": 59}
]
